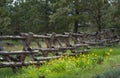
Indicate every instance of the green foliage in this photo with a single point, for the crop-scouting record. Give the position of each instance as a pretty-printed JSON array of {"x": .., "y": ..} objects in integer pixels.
[
  {"x": 30, "y": 16},
  {"x": 68, "y": 64},
  {"x": 116, "y": 15},
  {"x": 114, "y": 73},
  {"x": 70, "y": 11},
  {"x": 58, "y": 16},
  {"x": 98, "y": 14},
  {"x": 4, "y": 16}
]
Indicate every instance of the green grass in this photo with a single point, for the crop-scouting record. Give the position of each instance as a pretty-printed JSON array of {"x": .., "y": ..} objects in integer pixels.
[
  {"x": 100, "y": 51},
  {"x": 110, "y": 62}
]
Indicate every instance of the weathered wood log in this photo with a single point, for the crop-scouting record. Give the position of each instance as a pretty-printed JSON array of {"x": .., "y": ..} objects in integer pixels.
[
  {"x": 108, "y": 44},
  {"x": 19, "y": 64},
  {"x": 2, "y": 59},
  {"x": 80, "y": 45},
  {"x": 12, "y": 38},
  {"x": 41, "y": 36},
  {"x": 47, "y": 49},
  {"x": 17, "y": 52},
  {"x": 59, "y": 35},
  {"x": 114, "y": 41},
  {"x": 66, "y": 48},
  {"x": 93, "y": 42},
  {"x": 46, "y": 58}
]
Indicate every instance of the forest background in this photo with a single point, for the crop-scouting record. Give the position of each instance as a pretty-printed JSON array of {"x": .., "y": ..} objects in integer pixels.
[{"x": 46, "y": 16}]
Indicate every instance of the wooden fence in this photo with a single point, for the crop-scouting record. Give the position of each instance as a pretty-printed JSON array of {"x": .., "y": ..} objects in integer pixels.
[{"x": 56, "y": 44}]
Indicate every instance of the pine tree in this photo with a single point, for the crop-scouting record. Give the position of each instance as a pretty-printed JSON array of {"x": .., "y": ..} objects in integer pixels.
[{"x": 4, "y": 16}]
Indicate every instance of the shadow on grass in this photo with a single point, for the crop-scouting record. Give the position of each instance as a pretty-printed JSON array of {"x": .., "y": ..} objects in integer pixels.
[{"x": 6, "y": 72}]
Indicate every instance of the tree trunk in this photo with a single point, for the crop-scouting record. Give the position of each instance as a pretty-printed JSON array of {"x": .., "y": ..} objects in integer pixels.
[
  {"x": 99, "y": 21},
  {"x": 76, "y": 22},
  {"x": 76, "y": 27}
]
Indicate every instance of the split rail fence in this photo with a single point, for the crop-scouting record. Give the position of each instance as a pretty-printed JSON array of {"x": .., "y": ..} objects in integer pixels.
[{"x": 36, "y": 49}]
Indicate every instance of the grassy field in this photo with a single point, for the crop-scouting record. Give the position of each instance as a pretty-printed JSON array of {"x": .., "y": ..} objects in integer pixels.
[{"x": 82, "y": 66}]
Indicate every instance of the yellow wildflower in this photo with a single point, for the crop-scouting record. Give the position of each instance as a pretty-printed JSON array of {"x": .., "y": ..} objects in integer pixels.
[
  {"x": 110, "y": 50},
  {"x": 48, "y": 71},
  {"x": 88, "y": 62},
  {"x": 83, "y": 56},
  {"x": 108, "y": 53},
  {"x": 95, "y": 55}
]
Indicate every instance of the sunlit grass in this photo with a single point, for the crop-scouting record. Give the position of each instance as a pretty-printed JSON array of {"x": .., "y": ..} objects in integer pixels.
[{"x": 116, "y": 50}]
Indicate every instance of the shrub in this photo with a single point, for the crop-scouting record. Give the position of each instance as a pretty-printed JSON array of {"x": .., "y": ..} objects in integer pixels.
[{"x": 114, "y": 73}]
